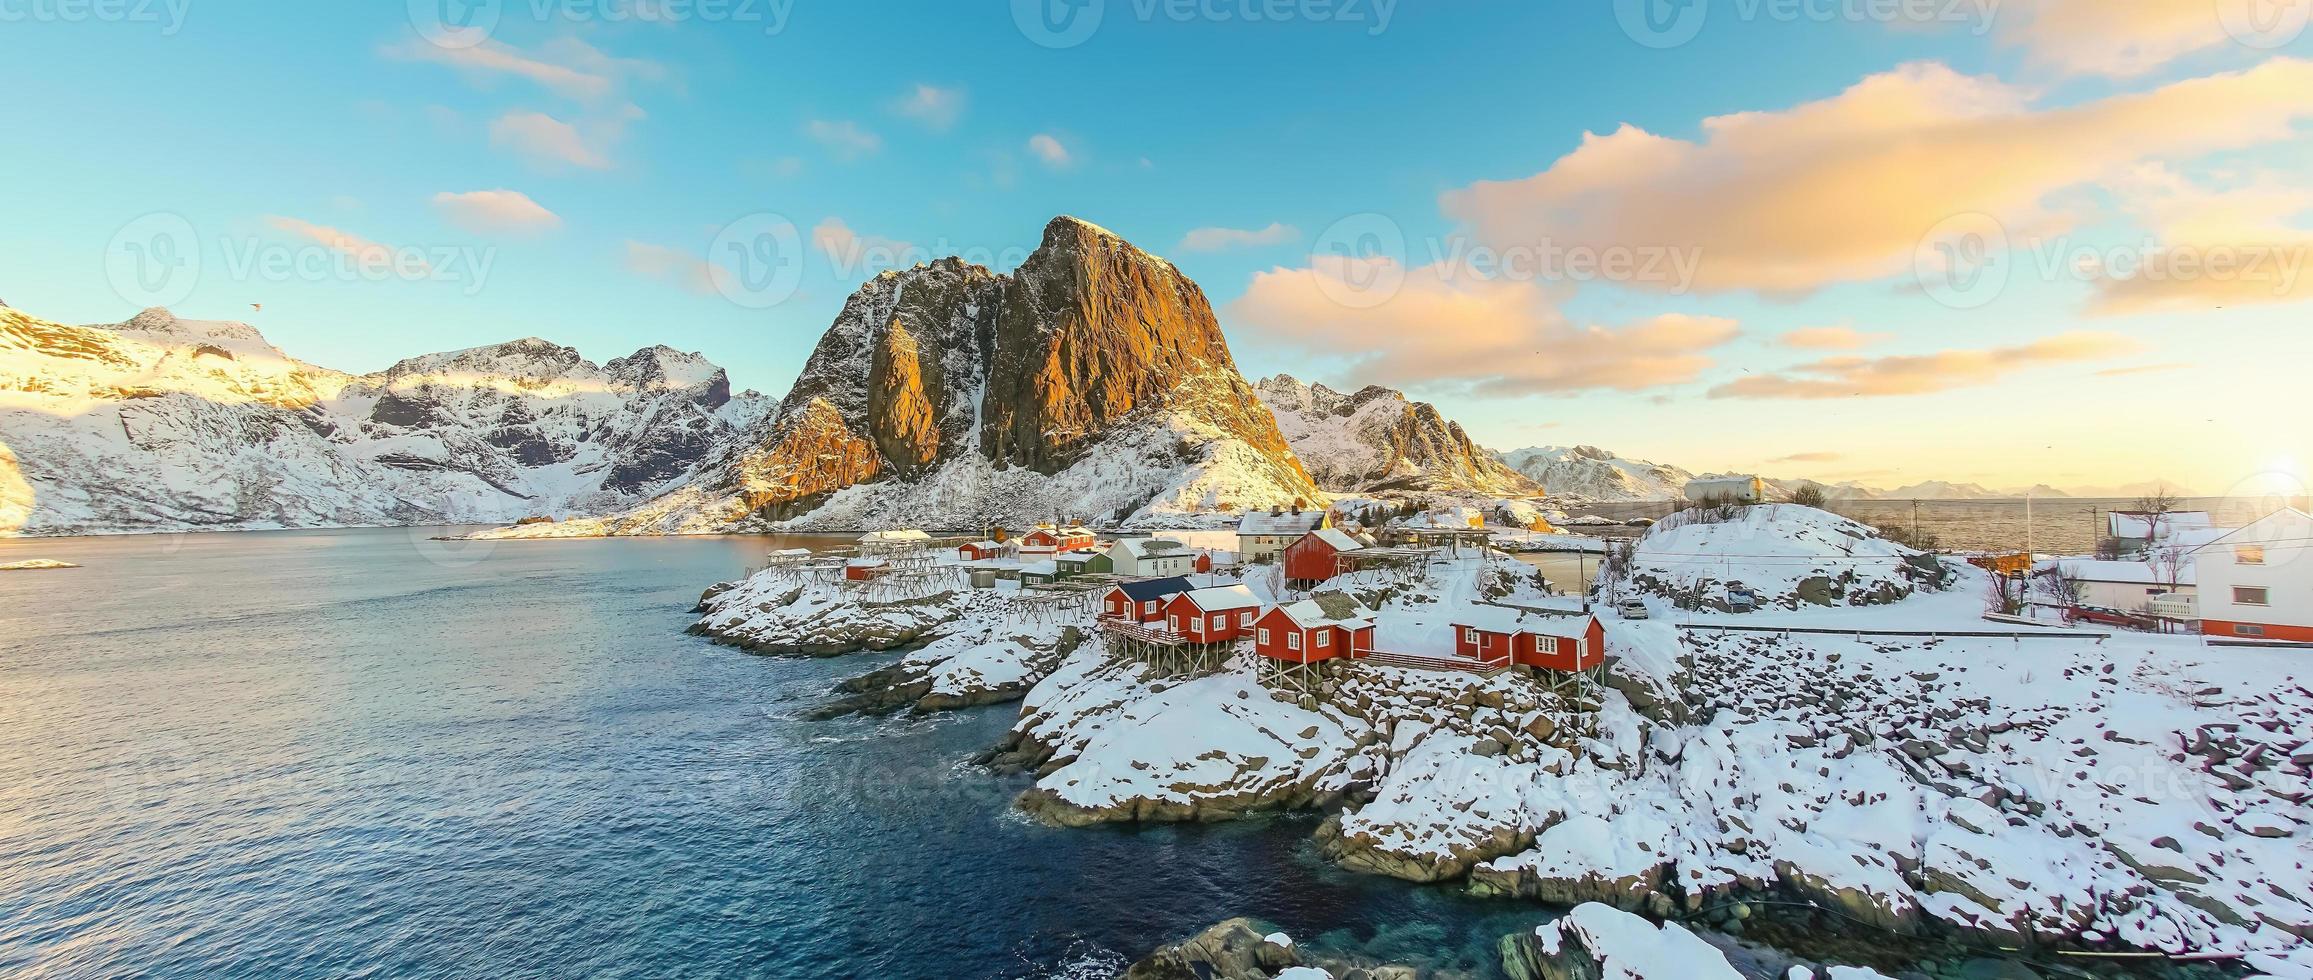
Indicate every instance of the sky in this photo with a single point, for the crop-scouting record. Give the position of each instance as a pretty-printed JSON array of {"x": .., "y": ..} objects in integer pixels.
[{"x": 2058, "y": 241}]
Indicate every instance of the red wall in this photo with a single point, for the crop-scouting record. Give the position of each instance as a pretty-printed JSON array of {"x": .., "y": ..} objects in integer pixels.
[
  {"x": 2224, "y": 629},
  {"x": 1310, "y": 560},
  {"x": 1192, "y": 617}
]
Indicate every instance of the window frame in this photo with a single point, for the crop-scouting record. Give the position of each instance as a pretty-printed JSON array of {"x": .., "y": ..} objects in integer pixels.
[
  {"x": 2264, "y": 596},
  {"x": 2248, "y": 554}
]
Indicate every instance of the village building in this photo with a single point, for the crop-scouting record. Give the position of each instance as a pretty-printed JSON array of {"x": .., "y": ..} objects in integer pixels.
[
  {"x": 1047, "y": 540},
  {"x": 2257, "y": 582},
  {"x": 984, "y": 550},
  {"x": 1494, "y": 634},
  {"x": 1316, "y": 557},
  {"x": 1044, "y": 572},
  {"x": 1090, "y": 562},
  {"x": 1265, "y": 535},
  {"x": 1216, "y": 615},
  {"x": 1326, "y": 626},
  {"x": 1151, "y": 558},
  {"x": 1143, "y": 601},
  {"x": 2134, "y": 532},
  {"x": 2126, "y": 586},
  {"x": 865, "y": 569}
]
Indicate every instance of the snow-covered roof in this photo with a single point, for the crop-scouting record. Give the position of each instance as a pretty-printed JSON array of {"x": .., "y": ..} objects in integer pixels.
[
  {"x": 987, "y": 545},
  {"x": 1146, "y": 547},
  {"x": 894, "y": 536},
  {"x": 1329, "y": 609},
  {"x": 2120, "y": 572},
  {"x": 1506, "y": 621},
  {"x": 792, "y": 553},
  {"x": 1287, "y": 522},
  {"x": 2281, "y": 526},
  {"x": 1225, "y": 598},
  {"x": 1046, "y": 567},
  {"x": 1337, "y": 539},
  {"x": 867, "y": 563}
]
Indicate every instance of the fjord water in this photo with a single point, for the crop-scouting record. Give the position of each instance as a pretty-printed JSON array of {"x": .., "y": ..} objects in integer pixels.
[{"x": 371, "y": 753}]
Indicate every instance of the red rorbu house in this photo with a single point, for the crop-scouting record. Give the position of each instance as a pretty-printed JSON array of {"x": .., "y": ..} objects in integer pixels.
[
  {"x": 1048, "y": 540},
  {"x": 1217, "y": 615},
  {"x": 983, "y": 550},
  {"x": 864, "y": 569},
  {"x": 1326, "y": 626},
  {"x": 1142, "y": 602},
  {"x": 1316, "y": 557},
  {"x": 1565, "y": 644}
]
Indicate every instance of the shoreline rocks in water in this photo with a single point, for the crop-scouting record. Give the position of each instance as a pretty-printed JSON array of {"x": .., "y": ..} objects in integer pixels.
[
  {"x": 36, "y": 565},
  {"x": 1245, "y": 949}
]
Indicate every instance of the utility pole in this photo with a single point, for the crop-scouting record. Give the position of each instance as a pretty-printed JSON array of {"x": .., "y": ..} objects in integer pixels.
[
  {"x": 1915, "y": 522},
  {"x": 2028, "y": 550}
]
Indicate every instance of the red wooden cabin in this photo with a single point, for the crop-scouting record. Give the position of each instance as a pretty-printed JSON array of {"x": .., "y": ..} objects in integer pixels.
[
  {"x": 864, "y": 569},
  {"x": 1545, "y": 642},
  {"x": 1315, "y": 557},
  {"x": 1218, "y": 615},
  {"x": 1142, "y": 602},
  {"x": 1052, "y": 540},
  {"x": 983, "y": 550},
  {"x": 1325, "y": 626}
]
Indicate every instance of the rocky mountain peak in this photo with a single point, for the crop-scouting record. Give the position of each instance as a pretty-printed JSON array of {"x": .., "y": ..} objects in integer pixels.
[{"x": 1378, "y": 440}]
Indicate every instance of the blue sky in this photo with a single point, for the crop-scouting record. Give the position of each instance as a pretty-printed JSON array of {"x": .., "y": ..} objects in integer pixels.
[{"x": 613, "y": 150}]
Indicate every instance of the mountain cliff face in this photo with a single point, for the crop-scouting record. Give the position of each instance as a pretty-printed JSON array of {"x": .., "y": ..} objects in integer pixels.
[
  {"x": 1091, "y": 382},
  {"x": 165, "y": 424},
  {"x": 1377, "y": 441}
]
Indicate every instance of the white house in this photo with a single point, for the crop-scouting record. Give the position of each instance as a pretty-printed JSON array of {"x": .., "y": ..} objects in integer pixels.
[
  {"x": 2135, "y": 531},
  {"x": 1264, "y": 535},
  {"x": 2257, "y": 582},
  {"x": 893, "y": 541},
  {"x": 2125, "y": 586},
  {"x": 1152, "y": 558}
]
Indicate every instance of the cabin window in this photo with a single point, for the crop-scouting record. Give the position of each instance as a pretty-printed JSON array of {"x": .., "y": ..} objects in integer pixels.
[
  {"x": 1292, "y": 641},
  {"x": 2243, "y": 630},
  {"x": 2246, "y": 596},
  {"x": 1176, "y": 624},
  {"x": 2249, "y": 554},
  {"x": 1216, "y": 622},
  {"x": 1149, "y": 607},
  {"x": 1325, "y": 639},
  {"x": 1470, "y": 636},
  {"x": 1261, "y": 635},
  {"x": 1245, "y": 618}
]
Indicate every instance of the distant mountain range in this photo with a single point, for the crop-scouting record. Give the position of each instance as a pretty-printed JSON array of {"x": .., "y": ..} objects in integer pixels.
[
  {"x": 1588, "y": 473},
  {"x": 1377, "y": 441}
]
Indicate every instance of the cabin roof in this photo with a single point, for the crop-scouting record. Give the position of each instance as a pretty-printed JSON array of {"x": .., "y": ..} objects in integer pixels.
[
  {"x": 1155, "y": 588},
  {"x": 1329, "y": 609},
  {"x": 1227, "y": 598},
  {"x": 1263, "y": 522}
]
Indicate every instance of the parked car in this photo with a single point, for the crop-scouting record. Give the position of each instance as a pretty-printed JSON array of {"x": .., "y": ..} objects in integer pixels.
[{"x": 1631, "y": 609}]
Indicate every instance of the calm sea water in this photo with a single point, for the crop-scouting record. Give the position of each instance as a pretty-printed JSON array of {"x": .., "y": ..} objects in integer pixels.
[
  {"x": 365, "y": 753},
  {"x": 2068, "y": 526}
]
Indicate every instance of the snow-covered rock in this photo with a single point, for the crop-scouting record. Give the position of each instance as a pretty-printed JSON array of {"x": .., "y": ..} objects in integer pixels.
[
  {"x": 1378, "y": 441},
  {"x": 1787, "y": 555},
  {"x": 166, "y": 424}
]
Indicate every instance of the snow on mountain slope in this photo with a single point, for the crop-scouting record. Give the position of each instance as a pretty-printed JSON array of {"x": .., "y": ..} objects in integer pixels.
[
  {"x": 1591, "y": 473},
  {"x": 164, "y": 424},
  {"x": 1376, "y": 440},
  {"x": 1091, "y": 382},
  {"x": 1789, "y": 556}
]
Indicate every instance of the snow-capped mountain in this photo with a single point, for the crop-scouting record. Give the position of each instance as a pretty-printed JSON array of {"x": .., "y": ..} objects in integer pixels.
[
  {"x": 166, "y": 424},
  {"x": 1091, "y": 382},
  {"x": 1378, "y": 441},
  {"x": 1591, "y": 473}
]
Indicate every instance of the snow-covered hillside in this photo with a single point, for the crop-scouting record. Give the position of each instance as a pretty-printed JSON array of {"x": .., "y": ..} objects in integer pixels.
[
  {"x": 1787, "y": 555},
  {"x": 1590, "y": 473},
  {"x": 163, "y": 424},
  {"x": 1378, "y": 441}
]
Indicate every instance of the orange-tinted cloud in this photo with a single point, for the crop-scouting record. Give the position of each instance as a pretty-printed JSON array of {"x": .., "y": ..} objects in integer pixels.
[
  {"x": 1832, "y": 338},
  {"x": 1843, "y": 189},
  {"x": 1921, "y": 374},
  {"x": 1494, "y": 337},
  {"x": 497, "y": 212},
  {"x": 352, "y": 246},
  {"x": 2101, "y": 37}
]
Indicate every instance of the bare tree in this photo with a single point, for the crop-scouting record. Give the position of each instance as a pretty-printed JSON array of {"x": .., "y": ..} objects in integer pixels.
[
  {"x": 2156, "y": 506},
  {"x": 2059, "y": 584},
  {"x": 2005, "y": 594}
]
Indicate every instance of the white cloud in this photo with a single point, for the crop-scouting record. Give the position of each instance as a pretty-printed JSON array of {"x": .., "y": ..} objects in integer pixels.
[
  {"x": 545, "y": 139},
  {"x": 1049, "y": 149},
  {"x": 933, "y": 106},
  {"x": 2101, "y": 37},
  {"x": 846, "y": 139},
  {"x": 1492, "y": 337},
  {"x": 850, "y": 252},
  {"x": 348, "y": 244},
  {"x": 566, "y": 66},
  {"x": 496, "y": 212},
  {"x": 1218, "y": 239}
]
